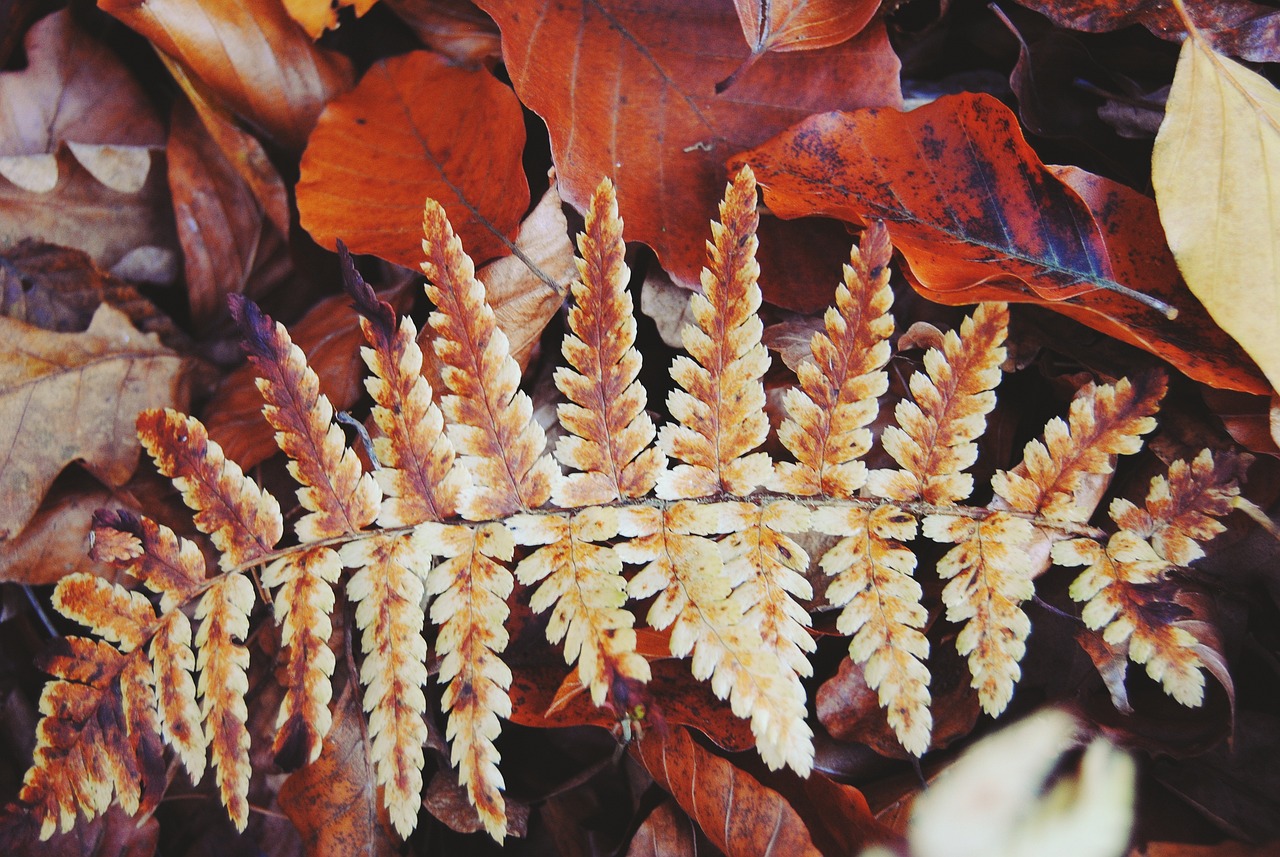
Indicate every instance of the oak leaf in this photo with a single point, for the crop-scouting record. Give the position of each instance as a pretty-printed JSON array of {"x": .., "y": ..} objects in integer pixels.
[{"x": 106, "y": 375}]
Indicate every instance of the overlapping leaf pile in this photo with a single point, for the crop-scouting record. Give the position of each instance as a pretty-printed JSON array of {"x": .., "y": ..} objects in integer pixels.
[{"x": 692, "y": 519}]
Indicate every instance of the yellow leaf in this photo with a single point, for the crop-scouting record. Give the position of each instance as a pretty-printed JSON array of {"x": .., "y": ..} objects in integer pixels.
[{"x": 1218, "y": 144}]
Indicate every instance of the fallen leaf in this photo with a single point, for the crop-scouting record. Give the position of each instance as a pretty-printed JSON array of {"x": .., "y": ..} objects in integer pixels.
[
  {"x": 446, "y": 799},
  {"x": 455, "y": 28},
  {"x": 801, "y": 25},
  {"x": 228, "y": 244},
  {"x": 334, "y": 802},
  {"x": 316, "y": 16},
  {"x": 416, "y": 127},
  {"x": 639, "y": 70},
  {"x": 665, "y": 832},
  {"x": 252, "y": 58},
  {"x": 1219, "y": 143},
  {"x": 1237, "y": 27},
  {"x": 738, "y": 814},
  {"x": 74, "y": 397},
  {"x": 977, "y": 216},
  {"x": 74, "y": 90},
  {"x": 83, "y": 213},
  {"x": 55, "y": 542}
]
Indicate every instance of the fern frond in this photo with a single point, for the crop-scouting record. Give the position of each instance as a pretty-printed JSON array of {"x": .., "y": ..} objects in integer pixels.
[
  {"x": 1184, "y": 507},
  {"x": 720, "y": 409},
  {"x": 242, "y": 519},
  {"x": 420, "y": 478},
  {"x": 338, "y": 495},
  {"x": 882, "y": 611},
  {"x": 584, "y": 582},
  {"x": 223, "y": 662},
  {"x": 827, "y": 416},
  {"x": 609, "y": 433},
  {"x": 387, "y": 589},
  {"x": 108, "y": 609},
  {"x": 173, "y": 661},
  {"x": 470, "y": 589},
  {"x": 933, "y": 440},
  {"x": 684, "y": 569},
  {"x": 491, "y": 419}
]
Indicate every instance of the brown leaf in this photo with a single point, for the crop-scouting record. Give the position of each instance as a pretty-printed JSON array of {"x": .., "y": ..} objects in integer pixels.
[
  {"x": 1000, "y": 226},
  {"x": 416, "y": 127},
  {"x": 801, "y": 25},
  {"x": 455, "y": 28},
  {"x": 56, "y": 541},
  {"x": 640, "y": 70},
  {"x": 74, "y": 90},
  {"x": 446, "y": 799},
  {"x": 228, "y": 243},
  {"x": 665, "y": 832},
  {"x": 738, "y": 814},
  {"x": 334, "y": 800},
  {"x": 74, "y": 396},
  {"x": 253, "y": 60},
  {"x": 1237, "y": 27},
  {"x": 316, "y": 16}
]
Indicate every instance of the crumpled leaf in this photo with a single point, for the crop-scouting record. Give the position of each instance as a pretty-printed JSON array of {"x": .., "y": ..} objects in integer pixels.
[
  {"x": 416, "y": 127},
  {"x": 978, "y": 217},
  {"x": 1217, "y": 148},
  {"x": 74, "y": 397},
  {"x": 74, "y": 90},
  {"x": 55, "y": 543},
  {"x": 253, "y": 59},
  {"x": 640, "y": 70}
]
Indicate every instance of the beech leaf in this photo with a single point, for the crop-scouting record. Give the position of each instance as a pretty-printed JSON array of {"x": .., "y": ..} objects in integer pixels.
[
  {"x": 416, "y": 127},
  {"x": 74, "y": 397},
  {"x": 1217, "y": 147},
  {"x": 801, "y": 25}
]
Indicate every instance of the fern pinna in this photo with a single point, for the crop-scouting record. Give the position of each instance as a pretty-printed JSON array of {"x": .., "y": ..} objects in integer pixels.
[{"x": 691, "y": 519}]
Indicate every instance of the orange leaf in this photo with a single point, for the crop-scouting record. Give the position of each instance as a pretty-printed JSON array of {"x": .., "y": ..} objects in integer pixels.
[
  {"x": 979, "y": 217},
  {"x": 316, "y": 16},
  {"x": 738, "y": 814},
  {"x": 416, "y": 127},
  {"x": 639, "y": 69},
  {"x": 252, "y": 58},
  {"x": 802, "y": 25}
]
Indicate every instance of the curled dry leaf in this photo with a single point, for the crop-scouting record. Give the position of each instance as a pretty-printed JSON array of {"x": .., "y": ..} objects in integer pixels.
[
  {"x": 976, "y": 222},
  {"x": 74, "y": 90},
  {"x": 253, "y": 60},
  {"x": 639, "y": 68},
  {"x": 455, "y": 28},
  {"x": 416, "y": 127},
  {"x": 56, "y": 541},
  {"x": 73, "y": 397},
  {"x": 802, "y": 25},
  {"x": 316, "y": 16},
  {"x": 1220, "y": 140}
]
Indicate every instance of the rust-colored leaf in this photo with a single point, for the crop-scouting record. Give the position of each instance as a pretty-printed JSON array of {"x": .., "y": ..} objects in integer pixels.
[
  {"x": 316, "y": 16},
  {"x": 641, "y": 70},
  {"x": 801, "y": 25},
  {"x": 74, "y": 396},
  {"x": 1241, "y": 28},
  {"x": 738, "y": 814},
  {"x": 416, "y": 127},
  {"x": 254, "y": 60},
  {"x": 455, "y": 28}
]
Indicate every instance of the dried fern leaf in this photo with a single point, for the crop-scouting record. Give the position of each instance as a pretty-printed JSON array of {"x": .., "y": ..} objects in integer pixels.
[
  {"x": 470, "y": 589},
  {"x": 303, "y": 602},
  {"x": 151, "y": 552},
  {"x": 583, "y": 581},
  {"x": 140, "y": 781},
  {"x": 1183, "y": 507},
  {"x": 766, "y": 570},
  {"x": 1104, "y": 421},
  {"x": 685, "y": 571},
  {"x": 873, "y": 582},
  {"x": 242, "y": 519},
  {"x": 609, "y": 432},
  {"x": 112, "y": 612},
  {"x": 990, "y": 576},
  {"x": 1130, "y": 600},
  {"x": 933, "y": 440},
  {"x": 491, "y": 419},
  {"x": 827, "y": 415},
  {"x": 223, "y": 662},
  {"x": 720, "y": 408},
  {"x": 338, "y": 495},
  {"x": 179, "y": 711},
  {"x": 419, "y": 476}
]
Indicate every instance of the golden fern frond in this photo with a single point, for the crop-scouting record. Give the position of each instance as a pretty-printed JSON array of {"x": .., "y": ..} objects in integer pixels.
[
  {"x": 872, "y": 570},
  {"x": 491, "y": 419},
  {"x": 470, "y": 589},
  {"x": 609, "y": 433},
  {"x": 827, "y": 415},
  {"x": 1126, "y": 584},
  {"x": 684, "y": 569},
  {"x": 720, "y": 409},
  {"x": 387, "y": 589},
  {"x": 241, "y": 519},
  {"x": 421, "y": 479},
  {"x": 933, "y": 440}
]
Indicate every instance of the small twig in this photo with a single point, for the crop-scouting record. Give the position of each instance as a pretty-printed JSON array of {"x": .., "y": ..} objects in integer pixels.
[
  {"x": 363, "y": 434},
  {"x": 39, "y": 608}
]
